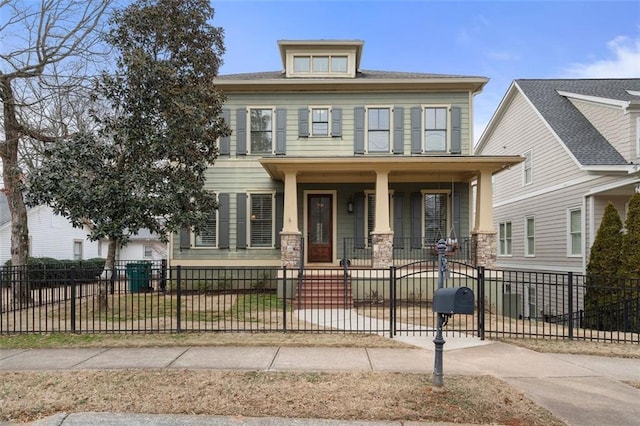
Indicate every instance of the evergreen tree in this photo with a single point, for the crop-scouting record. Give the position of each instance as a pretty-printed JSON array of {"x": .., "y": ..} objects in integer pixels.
[{"x": 629, "y": 316}]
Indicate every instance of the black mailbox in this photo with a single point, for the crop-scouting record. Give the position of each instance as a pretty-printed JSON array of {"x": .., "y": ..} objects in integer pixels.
[{"x": 453, "y": 300}]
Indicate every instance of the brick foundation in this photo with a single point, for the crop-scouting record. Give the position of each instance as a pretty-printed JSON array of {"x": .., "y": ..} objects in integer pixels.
[
  {"x": 290, "y": 252},
  {"x": 484, "y": 249},
  {"x": 382, "y": 249}
]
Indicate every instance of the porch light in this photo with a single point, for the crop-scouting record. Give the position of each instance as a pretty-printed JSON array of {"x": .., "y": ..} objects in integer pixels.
[{"x": 350, "y": 206}]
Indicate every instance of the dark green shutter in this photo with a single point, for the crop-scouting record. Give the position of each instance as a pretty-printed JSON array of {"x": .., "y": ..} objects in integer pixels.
[
  {"x": 358, "y": 137},
  {"x": 455, "y": 215},
  {"x": 398, "y": 130},
  {"x": 241, "y": 221},
  {"x": 185, "y": 238},
  {"x": 336, "y": 122},
  {"x": 456, "y": 137},
  {"x": 358, "y": 221},
  {"x": 303, "y": 122},
  {"x": 398, "y": 229},
  {"x": 223, "y": 221},
  {"x": 416, "y": 220},
  {"x": 225, "y": 141},
  {"x": 241, "y": 131},
  {"x": 281, "y": 131},
  {"x": 416, "y": 130},
  {"x": 279, "y": 216}
]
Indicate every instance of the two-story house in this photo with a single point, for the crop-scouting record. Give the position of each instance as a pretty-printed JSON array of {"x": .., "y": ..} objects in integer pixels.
[
  {"x": 581, "y": 144},
  {"x": 313, "y": 149}
]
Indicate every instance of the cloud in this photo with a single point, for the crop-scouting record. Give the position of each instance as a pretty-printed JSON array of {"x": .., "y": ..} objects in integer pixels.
[{"x": 624, "y": 64}]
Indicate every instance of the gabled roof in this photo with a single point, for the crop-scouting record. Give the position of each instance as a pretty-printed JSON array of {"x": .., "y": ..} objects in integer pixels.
[{"x": 574, "y": 130}]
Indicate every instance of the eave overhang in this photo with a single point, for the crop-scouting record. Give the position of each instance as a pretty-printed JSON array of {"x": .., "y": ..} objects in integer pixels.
[{"x": 400, "y": 169}]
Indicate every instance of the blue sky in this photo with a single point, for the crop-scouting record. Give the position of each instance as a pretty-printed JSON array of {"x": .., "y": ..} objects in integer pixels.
[{"x": 501, "y": 40}]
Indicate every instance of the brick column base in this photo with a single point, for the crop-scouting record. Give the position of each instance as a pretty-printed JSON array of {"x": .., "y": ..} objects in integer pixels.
[
  {"x": 290, "y": 249},
  {"x": 484, "y": 249},
  {"x": 382, "y": 249}
]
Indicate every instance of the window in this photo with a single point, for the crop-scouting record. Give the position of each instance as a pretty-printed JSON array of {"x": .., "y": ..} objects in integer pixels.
[
  {"x": 339, "y": 64},
  {"x": 208, "y": 235},
  {"x": 530, "y": 237},
  {"x": 147, "y": 252},
  {"x": 319, "y": 121},
  {"x": 435, "y": 129},
  {"x": 504, "y": 238},
  {"x": 575, "y": 232},
  {"x": 527, "y": 168},
  {"x": 77, "y": 250},
  {"x": 378, "y": 129},
  {"x": 435, "y": 217},
  {"x": 532, "y": 302},
  {"x": 301, "y": 64},
  {"x": 261, "y": 133},
  {"x": 261, "y": 224},
  {"x": 321, "y": 65}
]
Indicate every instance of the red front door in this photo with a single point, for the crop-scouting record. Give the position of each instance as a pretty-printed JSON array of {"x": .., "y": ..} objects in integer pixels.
[{"x": 320, "y": 231}]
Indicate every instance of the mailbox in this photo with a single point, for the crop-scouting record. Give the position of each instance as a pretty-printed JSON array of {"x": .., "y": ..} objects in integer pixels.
[{"x": 453, "y": 300}]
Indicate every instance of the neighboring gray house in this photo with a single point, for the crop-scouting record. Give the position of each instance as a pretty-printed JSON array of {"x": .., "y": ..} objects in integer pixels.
[{"x": 581, "y": 143}]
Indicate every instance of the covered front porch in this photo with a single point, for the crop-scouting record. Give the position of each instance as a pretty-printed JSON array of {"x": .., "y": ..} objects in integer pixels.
[{"x": 330, "y": 213}]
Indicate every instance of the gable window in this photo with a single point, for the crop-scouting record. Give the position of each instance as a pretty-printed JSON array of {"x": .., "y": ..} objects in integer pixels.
[
  {"x": 261, "y": 134},
  {"x": 77, "y": 250},
  {"x": 435, "y": 216},
  {"x": 319, "y": 121},
  {"x": 504, "y": 238},
  {"x": 435, "y": 129},
  {"x": 261, "y": 224},
  {"x": 530, "y": 237},
  {"x": 527, "y": 168},
  {"x": 208, "y": 235},
  {"x": 147, "y": 252},
  {"x": 378, "y": 129},
  {"x": 575, "y": 232}
]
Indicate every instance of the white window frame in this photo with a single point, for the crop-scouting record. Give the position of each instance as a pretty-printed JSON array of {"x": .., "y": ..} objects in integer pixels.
[
  {"x": 348, "y": 71},
  {"x": 505, "y": 243},
  {"x": 194, "y": 235},
  {"x": 367, "y": 225},
  {"x": 329, "y": 114},
  {"x": 571, "y": 232},
  {"x": 528, "y": 252},
  {"x": 78, "y": 244},
  {"x": 146, "y": 248},
  {"x": 423, "y": 126},
  {"x": 527, "y": 168},
  {"x": 273, "y": 129},
  {"x": 366, "y": 128},
  {"x": 250, "y": 195},
  {"x": 445, "y": 232}
]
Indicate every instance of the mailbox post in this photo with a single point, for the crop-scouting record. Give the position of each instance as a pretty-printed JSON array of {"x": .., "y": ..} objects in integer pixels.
[{"x": 439, "y": 340}]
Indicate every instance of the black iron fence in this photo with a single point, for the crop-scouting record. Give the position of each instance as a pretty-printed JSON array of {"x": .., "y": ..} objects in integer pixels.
[{"x": 150, "y": 297}]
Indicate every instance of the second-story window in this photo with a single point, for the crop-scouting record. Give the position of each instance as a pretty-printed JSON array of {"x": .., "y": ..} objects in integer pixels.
[
  {"x": 320, "y": 121},
  {"x": 261, "y": 130},
  {"x": 435, "y": 129},
  {"x": 527, "y": 168},
  {"x": 378, "y": 129}
]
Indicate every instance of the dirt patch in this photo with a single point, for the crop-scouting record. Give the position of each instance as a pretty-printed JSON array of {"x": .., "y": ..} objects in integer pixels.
[
  {"x": 610, "y": 349},
  {"x": 28, "y": 396}
]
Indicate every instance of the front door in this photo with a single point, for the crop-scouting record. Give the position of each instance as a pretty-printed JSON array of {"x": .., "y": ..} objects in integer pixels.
[{"x": 320, "y": 223}]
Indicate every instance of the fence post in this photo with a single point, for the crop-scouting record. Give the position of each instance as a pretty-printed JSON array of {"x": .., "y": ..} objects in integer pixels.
[
  {"x": 284, "y": 299},
  {"x": 163, "y": 275},
  {"x": 570, "y": 285},
  {"x": 73, "y": 299},
  {"x": 179, "y": 297},
  {"x": 392, "y": 301},
  {"x": 481, "y": 301}
]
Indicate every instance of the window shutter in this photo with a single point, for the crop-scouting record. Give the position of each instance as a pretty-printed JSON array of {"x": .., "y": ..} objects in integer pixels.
[
  {"x": 336, "y": 122},
  {"x": 358, "y": 225},
  {"x": 455, "y": 214},
  {"x": 416, "y": 220},
  {"x": 225, "y": 141},
  {"x": 223, "y": 221},
  {"x": 279, "y": 216},
  {"x": 303, "y": 122},
  {"x": 416, "y": 130},
  {"x": 281, "y": 131},
  {"x": 241, "y": 221},
  {"x": 358, "y": 137},
  {"x": 456, "y": 137},
  {"x": 398, "y": 130},
  {"x": 398, "y": 231},
  {"x": 185, "y": 238},
  {"x": 241, "y": 131}
]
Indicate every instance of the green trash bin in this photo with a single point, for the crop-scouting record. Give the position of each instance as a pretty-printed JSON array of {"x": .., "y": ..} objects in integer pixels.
[{"x": 139, "y": 276}]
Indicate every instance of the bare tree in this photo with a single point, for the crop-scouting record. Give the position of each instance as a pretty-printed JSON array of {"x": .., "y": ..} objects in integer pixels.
[{"x": 47, "y": 50}]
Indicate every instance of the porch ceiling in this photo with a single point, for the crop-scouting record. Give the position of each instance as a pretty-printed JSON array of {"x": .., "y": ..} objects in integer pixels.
[{"x": 401, "y": 169}]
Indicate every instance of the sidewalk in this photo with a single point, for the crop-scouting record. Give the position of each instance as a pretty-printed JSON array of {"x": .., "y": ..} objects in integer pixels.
[{"x": 580, "y": 390}]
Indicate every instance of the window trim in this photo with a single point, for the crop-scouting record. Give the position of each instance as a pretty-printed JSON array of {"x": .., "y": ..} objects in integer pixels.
[
  {"x": 423, "y": 127},
  {"x": 528, "y": 155},
  {"x": 78, "y": 243},
  {"x": 508, "y": 248},
  {"x": 329, "y": 116},
  {"x": 194, "y": 235},
  {"x": 144, "y": 251},
  {"x": 273, "y": 129},
  {"x": 528, "y": 237},
  {"x": 293, "y": 54},
  {"x": 570, "y": 234},
  {"x": 449, "y": 214},
  {"x": 250, "y": 193},
  {"x": 366, "y": 129}
]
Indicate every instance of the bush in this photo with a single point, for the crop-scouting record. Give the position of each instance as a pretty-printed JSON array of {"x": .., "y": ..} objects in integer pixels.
[{"x": 47, "y": 272}]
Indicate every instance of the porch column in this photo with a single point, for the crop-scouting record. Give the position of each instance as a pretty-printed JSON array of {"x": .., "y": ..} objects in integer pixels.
[
  {"x": 382, "y": 235},
  {"x": 484, "y": 247},
  {"x": 290, "y": 236}
]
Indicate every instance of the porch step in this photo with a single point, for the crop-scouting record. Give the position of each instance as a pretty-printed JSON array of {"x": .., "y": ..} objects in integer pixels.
[{"x": 324, "y": 292}]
